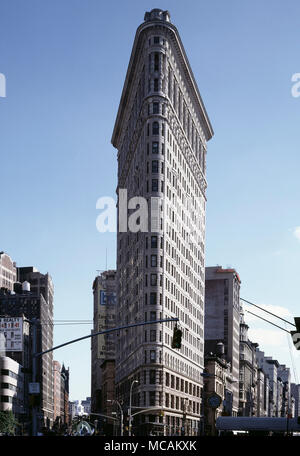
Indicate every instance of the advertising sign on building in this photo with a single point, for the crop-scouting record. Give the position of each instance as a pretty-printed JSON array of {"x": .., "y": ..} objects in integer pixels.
[
  {"x": 12, "y": 330},
  {"x": 107, "y": 298}
]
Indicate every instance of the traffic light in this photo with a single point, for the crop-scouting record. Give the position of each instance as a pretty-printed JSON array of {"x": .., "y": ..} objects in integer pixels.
[
  {"x": 296, "y": 334},
  {"x": 176, "y": 341}
]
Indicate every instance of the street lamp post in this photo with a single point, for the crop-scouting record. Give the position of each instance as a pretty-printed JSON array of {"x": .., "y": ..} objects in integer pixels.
[
  {"x": 121, "y": 412},
  {"x": 130, "y": 416}
]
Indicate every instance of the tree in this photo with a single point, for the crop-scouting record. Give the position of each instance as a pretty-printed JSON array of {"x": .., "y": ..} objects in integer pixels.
[{"x": 8, "y": 422}]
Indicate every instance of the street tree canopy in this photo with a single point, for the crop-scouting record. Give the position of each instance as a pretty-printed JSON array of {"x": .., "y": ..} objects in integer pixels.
[{"x": 7, "y": 423}]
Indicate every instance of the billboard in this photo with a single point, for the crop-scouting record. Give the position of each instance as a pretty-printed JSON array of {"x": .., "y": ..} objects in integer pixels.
[
  {"x": 11, "y": 333},
  {"x": 107, "y": 298}
]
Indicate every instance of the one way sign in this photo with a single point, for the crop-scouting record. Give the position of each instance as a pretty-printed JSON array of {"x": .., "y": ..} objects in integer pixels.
[{"x": 296, "y": 334}]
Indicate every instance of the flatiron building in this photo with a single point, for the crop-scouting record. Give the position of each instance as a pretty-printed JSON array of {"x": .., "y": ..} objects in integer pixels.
[{"x": 161, "y": 132}]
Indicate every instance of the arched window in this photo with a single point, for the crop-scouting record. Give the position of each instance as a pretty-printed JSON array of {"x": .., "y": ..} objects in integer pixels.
[{"x": 155, "y": 128}]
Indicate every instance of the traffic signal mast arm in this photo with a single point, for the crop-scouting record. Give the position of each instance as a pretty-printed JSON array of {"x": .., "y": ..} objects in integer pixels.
[
  {"x": 166, "y": 320},
  {"x": 248, "y": 311}
]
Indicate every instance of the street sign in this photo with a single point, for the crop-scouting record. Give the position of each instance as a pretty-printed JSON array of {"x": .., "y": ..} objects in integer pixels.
[{"x": 34, "y": 388}]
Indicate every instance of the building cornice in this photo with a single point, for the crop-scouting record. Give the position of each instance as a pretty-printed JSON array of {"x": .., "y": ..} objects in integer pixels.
[{"x": 139, "y": 40}]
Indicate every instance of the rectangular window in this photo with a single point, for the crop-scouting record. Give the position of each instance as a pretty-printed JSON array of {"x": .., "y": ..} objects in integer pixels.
[
  {"x": 153, "y": 261},
  {"x": 156, "y": 62},
  {"x": 156, "y": 40},
  {"x": 152, "y": 335},
  {"x": 155, "y": 166},
  {"x": 172, "y": 401},
  {"x": 153, "y": 280},
  {"x": 167, "y": 379},
  {"x": 152, "y": 398},
  {"x": 160, "y": 404},
  {"x": 155, "y": 85},
  {"x": 153, "y": 313},
  {"x": 167, "y": 400},
  {"x": 153, "y": 242},
  {"x": 152, "y": 299},
  {"x": 152, "y": 356},
  {"x": 155, "y": 108},
  {"x": 154, "y": 185},
  {"x": 152, "y": 377},
  {"x": 155, "y": 147}
]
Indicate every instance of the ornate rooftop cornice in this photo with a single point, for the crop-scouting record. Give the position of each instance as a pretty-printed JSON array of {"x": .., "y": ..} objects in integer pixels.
[{"x": 155, "y": 22}]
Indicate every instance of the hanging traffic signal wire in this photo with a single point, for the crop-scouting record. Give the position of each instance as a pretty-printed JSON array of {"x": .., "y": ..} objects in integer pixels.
[
  {"x": 267, "y": 321},
  {"x": 295, "y": 334},
  {"x": 267, "y": 311}
]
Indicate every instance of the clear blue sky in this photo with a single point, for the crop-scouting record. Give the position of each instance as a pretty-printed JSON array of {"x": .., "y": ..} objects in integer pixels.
[{"x": 65, "y": 63}]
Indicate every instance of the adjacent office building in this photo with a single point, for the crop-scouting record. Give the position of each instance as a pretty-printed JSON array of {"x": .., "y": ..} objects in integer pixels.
[
  {"x": 8, "y": 271},
  {"x": 64, "y": 383},
  {"x": 217, "y": 373},
  {"x": 270, "y": 367},
  {"x": 284, "y": 373},
  {"x": 57, "y": 390},
  {"x": 15, "y": 350},
  {"x": 35, "y": 303},
  {"x": 86, "y": 404},
  {"x": 12, "y": 389},
  {"x": 103, "y": 346},
  {"x": 222, "y": 319},
  {"x": 161, "y": 132},
  {"x": 295, "y": 390},
  {"x": 248, "y": 373}
]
